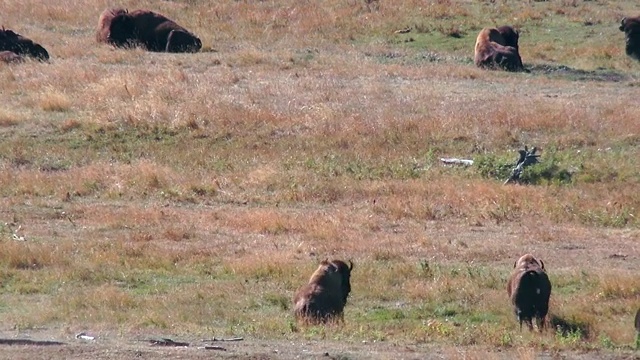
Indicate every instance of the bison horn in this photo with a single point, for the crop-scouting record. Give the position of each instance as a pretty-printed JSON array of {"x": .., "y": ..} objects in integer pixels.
[
  {"x": 350, "y": 265},
  {"x": 541, "y": 263}
]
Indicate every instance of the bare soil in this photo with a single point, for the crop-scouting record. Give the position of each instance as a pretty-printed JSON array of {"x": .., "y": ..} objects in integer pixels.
[{"x": 141, "y": 348}]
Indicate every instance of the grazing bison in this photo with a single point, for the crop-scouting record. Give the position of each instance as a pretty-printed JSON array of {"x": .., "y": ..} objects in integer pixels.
[
  {"x": 324, "y": 297},
  {"x": 529, "y": 290},
  {"x": 10, "y": 57},
  {"x": 631, "y": 28},
  {"x": 493, "y": 51},
  {"x": 147, "y": 29},
  {"x": 20, "y": 45}
]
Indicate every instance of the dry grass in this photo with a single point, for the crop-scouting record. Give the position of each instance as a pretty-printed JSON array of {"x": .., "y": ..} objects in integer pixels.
[{"x": 192, "y": 194}]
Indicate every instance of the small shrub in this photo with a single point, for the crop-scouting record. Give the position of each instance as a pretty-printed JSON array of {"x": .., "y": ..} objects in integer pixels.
[
  {"x": 492, "y": 167},
  {"x": 545, "y": 172}
]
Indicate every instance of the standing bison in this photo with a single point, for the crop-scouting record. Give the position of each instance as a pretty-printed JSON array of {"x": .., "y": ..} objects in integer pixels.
[
  {"x": 324, "y": 297},
  {"x": 529, "y": 290},
  {"x": 20, "y": 46},
  {"x": 631, "y": 28},
  {"x": 146, "y": 29},
  {"x": 498, "y": 48}
]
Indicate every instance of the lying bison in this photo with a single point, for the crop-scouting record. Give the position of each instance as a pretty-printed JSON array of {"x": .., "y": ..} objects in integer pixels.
[
  {"x": 146, "y": 29},
  {"x": 20, "y": 46},
  {"x": 498, "y": 48},
  {"x": 324, "y": 297},
  {"x": 529, "y": 290},
  {"x": 631, "y": 28}
]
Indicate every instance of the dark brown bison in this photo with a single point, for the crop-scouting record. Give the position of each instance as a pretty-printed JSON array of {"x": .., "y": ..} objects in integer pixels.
[
  {"x": 492, "y": 51},
  {"x": 10, "y": 57},
  {"x": 324, "y": 297},
  {"x": 21, "y": 46},
  {"x": 529, "y": 290},
  {"x": 631, "y": 28},
  {"x": 147, "y": 29}
]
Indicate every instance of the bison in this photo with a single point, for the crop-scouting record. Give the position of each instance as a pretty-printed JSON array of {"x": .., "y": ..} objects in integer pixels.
[
  {"x": 529, "y": 290},
  {"x": 324, "y": 297},
  {"x": 21, "y": 46},
  {"x": 146, "y": 29},
  {"x": 494, "y": 50},
  {"x": 638, "y": 321},
  {"x": 631, "y": 28}
]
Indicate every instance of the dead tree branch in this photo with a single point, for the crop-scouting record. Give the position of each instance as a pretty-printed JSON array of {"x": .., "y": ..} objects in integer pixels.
[{"x": 526, "y": 158}]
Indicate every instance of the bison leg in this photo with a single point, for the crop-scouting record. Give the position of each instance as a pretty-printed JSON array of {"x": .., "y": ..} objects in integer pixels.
[
  {"x": 509, "y": 62},
  {"x": 182, "y": 41},
  {"x": 540, "y": 323}
]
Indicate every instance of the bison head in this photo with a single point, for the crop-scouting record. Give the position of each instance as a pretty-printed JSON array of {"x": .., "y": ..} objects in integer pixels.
[
  {"x": 344, "y": 272},
  {"x": 18, "y": 44},
  {"x": 335, "y": 275},
  {"x": 631, "y": 28},
  {"x": 510, "y": 36},
  {"x": 528, "y": 261},
  {"x": 104, "y": 23},
  {"x": 122, "y": 30},
  {"x": 180, "y": 41}
]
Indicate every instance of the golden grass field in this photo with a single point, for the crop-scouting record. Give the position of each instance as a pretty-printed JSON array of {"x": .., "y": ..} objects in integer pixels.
[{"x": 147, "y": 195}]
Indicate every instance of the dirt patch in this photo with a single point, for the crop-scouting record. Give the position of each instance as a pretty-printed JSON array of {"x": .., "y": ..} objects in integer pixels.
[{"x": 119, "y": 348}]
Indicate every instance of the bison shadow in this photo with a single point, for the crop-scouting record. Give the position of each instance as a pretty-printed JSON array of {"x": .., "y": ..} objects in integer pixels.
[{"x": 568, "y": 73}]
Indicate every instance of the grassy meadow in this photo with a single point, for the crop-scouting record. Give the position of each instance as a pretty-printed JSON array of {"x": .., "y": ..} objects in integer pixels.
[{"x": 190, "y": 195}]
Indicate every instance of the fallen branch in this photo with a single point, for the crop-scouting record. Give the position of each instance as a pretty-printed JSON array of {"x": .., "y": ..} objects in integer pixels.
[
  {"x": 222, "y": 339},
  {"x": 29, "y": 342},
  {"x": 455, "y": 161},
  {"x": 212, "y": 347},
  {"x": 167, "y": 342},
  {"x": 526, "y": 158}
]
